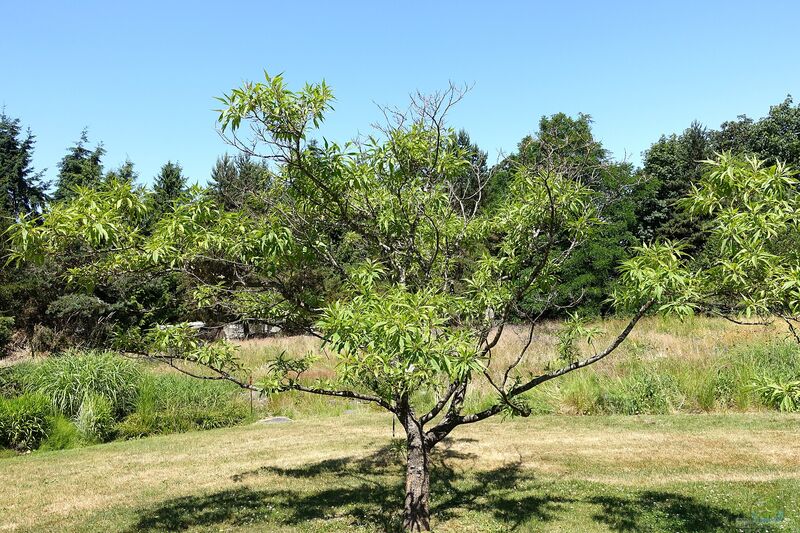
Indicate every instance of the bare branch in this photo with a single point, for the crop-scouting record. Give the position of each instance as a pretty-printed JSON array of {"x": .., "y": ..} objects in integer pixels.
[{"x": 341, "y": 394}]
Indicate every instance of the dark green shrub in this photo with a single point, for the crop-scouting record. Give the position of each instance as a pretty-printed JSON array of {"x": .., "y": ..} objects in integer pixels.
[
  {"x": 169, "y": 403},
  {"x": 77, "y": 318},
  {"x": 10, "y": 385},
  {"x": 46, "y": 340},
  {"x": 66, "y": 380},
  {"x": 6, "y": 332},
  {"x": 25, "y": 421}
]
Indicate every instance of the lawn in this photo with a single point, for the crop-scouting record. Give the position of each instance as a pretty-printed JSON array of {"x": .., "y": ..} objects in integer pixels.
[{"x": 737, "y": 471}]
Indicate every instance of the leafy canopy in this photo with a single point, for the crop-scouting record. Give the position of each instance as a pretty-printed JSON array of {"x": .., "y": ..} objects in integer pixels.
[{"x": 753, "y": 235}]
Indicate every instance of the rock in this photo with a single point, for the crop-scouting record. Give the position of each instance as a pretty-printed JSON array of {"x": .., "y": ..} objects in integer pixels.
[
  {"x": 233, "y": 332},
  {"x": 274, "y": 420}
]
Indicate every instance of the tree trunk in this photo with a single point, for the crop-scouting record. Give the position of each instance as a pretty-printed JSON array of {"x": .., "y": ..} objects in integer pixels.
[{"x": 417, "y": 513}]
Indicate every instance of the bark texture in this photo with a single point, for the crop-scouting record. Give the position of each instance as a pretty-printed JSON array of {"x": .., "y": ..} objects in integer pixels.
[{"x": 417, "y": 513}]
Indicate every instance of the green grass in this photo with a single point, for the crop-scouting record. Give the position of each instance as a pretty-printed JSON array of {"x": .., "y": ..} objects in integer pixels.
[
  {"x": 69, "y": 378},
  {"x": 99, "y": 396},
  {"x": 173, "y": 403},
  {"x": 545, "y": 473},
  {"x": 25, "y": 421}
]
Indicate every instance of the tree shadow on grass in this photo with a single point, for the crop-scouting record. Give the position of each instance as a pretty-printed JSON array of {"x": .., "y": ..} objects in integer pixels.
[
  {"x": 368, "y": 492},
  {"x": 236, "y": 507},
  {"x": 667, "y": 511}
]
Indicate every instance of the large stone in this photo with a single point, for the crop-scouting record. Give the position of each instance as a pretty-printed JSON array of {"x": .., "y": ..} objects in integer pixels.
[
  {"x": 274, "y": 420},
  {"x": 234, "y": 332}
]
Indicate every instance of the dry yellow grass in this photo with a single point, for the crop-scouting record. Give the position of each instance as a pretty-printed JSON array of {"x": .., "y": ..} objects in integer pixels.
[
  {"x": 697, "y": 339},
  {"x": 117, "y": 486}
]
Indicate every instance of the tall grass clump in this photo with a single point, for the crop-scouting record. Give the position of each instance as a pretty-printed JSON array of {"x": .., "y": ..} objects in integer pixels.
[
  {"x": 70, "y": 378},
  {"x": 95, "y": 419},
  {"x": 64, "y": 435},
  {"x": 170, "y": 403},
  {"x": 25, "y": 421},
  {"x": 10, "y": 385},
  {"x": 635, "y": 388},
  {"x": 581, "y": 393},
  {"x": 641, "y": 391},
  {"x": 742, "y": 371}
]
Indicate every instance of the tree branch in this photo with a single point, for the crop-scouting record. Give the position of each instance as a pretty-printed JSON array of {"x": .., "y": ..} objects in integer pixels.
[
  {"x": 342, "y": 394},
  {"x": 442, "y": 429}
]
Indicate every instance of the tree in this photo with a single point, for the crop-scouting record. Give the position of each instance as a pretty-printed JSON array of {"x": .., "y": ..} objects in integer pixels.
[
  {"x": 237, "y": 180},
  {"x": 671, "y": 166},
  {"x": 124, "y": 172},
  {"x": 754, "y": 240},
  {"x": 590, "y": 273},
  {"x": 22, "y": 192},
  {"x": 417, "y": 291},
  {"x": 566, "y": 146},
  {"x": 22, "y": 189},
  {"x": 168, "y": 186},
  {"x": 567, "y": 140},
  {"x": 560, "y": 142},
  {"x": 773, "y": 138},
  {"x": 85, "y": 312},
  {"x": 81, "y": 167},
  {"x": 469, "y": 187}
]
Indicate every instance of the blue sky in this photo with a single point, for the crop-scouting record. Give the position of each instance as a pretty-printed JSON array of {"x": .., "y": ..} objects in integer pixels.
[{"x": 142, "y": 76}]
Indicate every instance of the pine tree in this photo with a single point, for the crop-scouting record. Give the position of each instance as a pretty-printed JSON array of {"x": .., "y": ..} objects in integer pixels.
[
  {"x": 672, "y": 164},
  {"x": 235, "y": 179},
  {"x": 168, "y": 186},
  {"x": 468, "y": 189},
  {"x": 125, "y": 172},
  {"x": 81, "y": 167},
  {"x": 22, "y": 189}
]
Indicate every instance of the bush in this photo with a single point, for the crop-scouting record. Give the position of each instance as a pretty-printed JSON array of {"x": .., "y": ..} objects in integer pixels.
[
  {"x": 6, "y": 332},
  {"x": 10, "y": 385},
  {"x": 642, "y": 390},
  {"x": 77, "y": 316},
  {"x": 66, "y": 380},
  {"x": 46, "y": 340},
  {"x": 780, "y": 394},
  {"x": 756, "y": 364},
  {"x": 63, "y": 435},
  {"x": 95, "y": 418},
  {"x": 25, "y": 421},
  {"x": 169, "y": 403}
]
